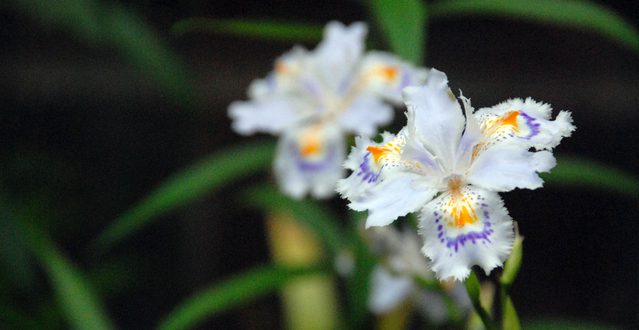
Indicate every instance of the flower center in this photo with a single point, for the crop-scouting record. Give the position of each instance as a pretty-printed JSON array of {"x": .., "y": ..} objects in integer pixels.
[{"x": 455, "y": 183}]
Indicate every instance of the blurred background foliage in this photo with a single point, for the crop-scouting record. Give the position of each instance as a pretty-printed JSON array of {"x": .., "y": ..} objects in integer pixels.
[{"x": 127, "y": 202}]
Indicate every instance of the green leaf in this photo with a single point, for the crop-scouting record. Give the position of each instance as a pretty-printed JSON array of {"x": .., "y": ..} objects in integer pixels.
[
  {"x": 404, "y": 25},
  {"x": 573, "y": 171},
  {"x": 575, "y": 14},
  {"x": 188, "y": 185},
  {"x": 259, "y": 29},
  {"x": 473, "y": 288},
  {"x": 513, "y": 264},
  {"x": 510, "y": 319},
  {"x": 74, "y": 294},
  {"x": 319, "y": 219},
  {"x": 231, "y": 293},
  {"x": 104, "y": 25}
]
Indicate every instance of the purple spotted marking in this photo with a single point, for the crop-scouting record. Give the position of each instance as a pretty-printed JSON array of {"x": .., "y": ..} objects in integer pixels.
[
  {"x": 473, "y": 236},
  {"x": 532, "y": 124},
  {"x": 366, "y": 172}
]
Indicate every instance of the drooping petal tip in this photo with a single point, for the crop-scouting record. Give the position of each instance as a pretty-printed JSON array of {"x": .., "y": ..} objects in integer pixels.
[{"x": 473, "y": 228}]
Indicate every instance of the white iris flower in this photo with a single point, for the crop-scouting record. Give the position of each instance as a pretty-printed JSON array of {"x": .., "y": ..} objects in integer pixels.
[
  {"x": 450, "y": 169},
  {"x": 313, "y": 98}
]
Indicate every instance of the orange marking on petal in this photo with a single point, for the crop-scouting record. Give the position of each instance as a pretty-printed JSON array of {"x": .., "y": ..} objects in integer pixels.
[
  {"x": 377, "y": 152},
  {"x": 388, "y": 72},
  {"x": 281, "y": 68},
  {"x": 310, "y": 149},
  {"x": 463, "y": 216},
  {"x": 510, "y": 118}
]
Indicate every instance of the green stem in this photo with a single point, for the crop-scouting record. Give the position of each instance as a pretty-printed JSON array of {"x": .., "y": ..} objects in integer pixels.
[{"x": 473, "y": 288}]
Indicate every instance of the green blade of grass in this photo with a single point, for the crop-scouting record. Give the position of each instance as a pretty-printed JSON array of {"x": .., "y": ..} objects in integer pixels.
[
  {"x": 188, "y": 185},
  {"x": 231, "y": 293},
  {"x": 572, "y": 171},
  {"x": 258, "y": 29},
  {"x": 318, "y": 219},
  {"x": 404, "y": 25},
  {"x": 575, "y": 14},
  {"x": 74, "y": 294}
]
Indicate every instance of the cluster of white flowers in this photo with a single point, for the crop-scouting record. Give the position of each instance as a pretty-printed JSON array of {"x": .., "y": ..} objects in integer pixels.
[
  {"x": 312, "y": 99},
  {"x": 446, "y": 164},
  {"x": 449, "y": 168}
]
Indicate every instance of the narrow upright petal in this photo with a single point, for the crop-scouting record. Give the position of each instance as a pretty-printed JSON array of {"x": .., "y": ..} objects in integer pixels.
[
  {"x": 435, "y": 117},
  {"x": 465, "y": 228},
  {"x": 339, "y": 51},
  {"x": 386, "y": 75}
]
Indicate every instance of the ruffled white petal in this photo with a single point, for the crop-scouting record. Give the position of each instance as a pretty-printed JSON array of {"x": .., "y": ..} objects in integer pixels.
[
  {"x": 382, "y": 183},
  {"x": 364, "y": 172},
  {"x": 469, "y": 228},
  {"x": 386, "y": 75},
  {"x": 435, "y": 117},
  {"x": 270, "y": 115},
  {"x": 525, "y": 121},
  {"x": 365, "y": 115},
  {"x": 341, "y": 47},
  {"x": 505, "y": 167},
  {"x": 388, "y": 290},
  {"x": 394, "y": 197},
  {"x": 308, "y": 160}
]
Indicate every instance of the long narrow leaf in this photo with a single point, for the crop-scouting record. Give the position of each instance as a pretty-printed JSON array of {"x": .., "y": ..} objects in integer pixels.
[
  {"x": 404, "y": 25},
  {"x": 231, "y": 293},
  {"x": 99, "y": 24},
  {"x": 317, "y": 218},
  {"x": 576, "y": 14},
  {"x": 77, "y": 299},
  {"x": 190, "y": 184},
  {"x": 259, "y": 29},
  {"x": 587, "y": 173}
]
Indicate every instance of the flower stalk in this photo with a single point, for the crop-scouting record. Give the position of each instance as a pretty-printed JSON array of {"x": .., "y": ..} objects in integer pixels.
[{"x": 309, "y": 302}]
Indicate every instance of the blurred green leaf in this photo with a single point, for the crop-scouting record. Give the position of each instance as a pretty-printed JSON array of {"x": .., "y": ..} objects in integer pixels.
[
  {"x": 573, "y": 171},
  {"x": 318, "y": 218},
  {"x": 74, "y": 294},
  {"x": 259, "y": 29},
  {"x": 231, "y": 293},
  {"x": 188, "y": 185},
  {"x": 558, "y": 324},
  {"x": 404, "y": 25},
  {"x": 575, "y": 14},
  {"x": 102, "y": 24}
]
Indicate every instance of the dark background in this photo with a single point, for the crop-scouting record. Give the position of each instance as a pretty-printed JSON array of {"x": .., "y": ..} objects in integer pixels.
[{"x": 84, "y": 136}]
